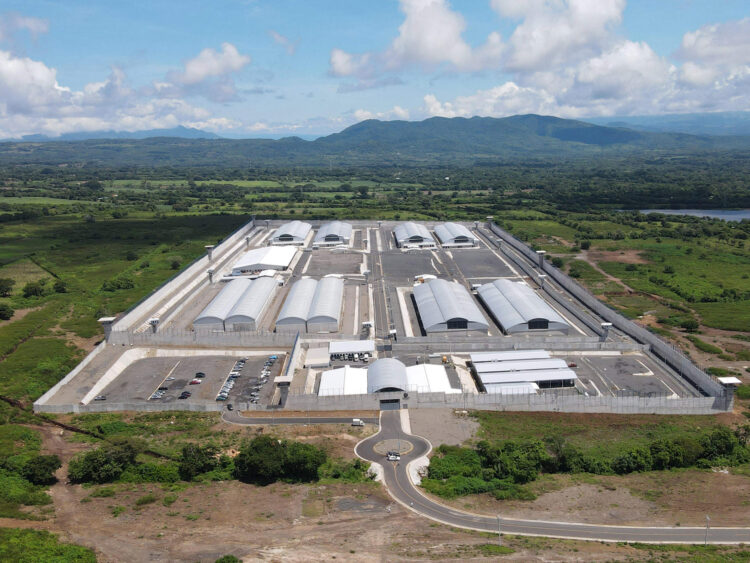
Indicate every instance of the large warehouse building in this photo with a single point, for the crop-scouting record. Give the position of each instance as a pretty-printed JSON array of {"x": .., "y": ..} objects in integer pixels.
[
  {"x": 446, "y": 306},
  {"x": 312, "y": 306},
  {"x": 386, "y": 374},
  {"x": 511, "y": 372},
  {"x": 238, "y": 306},
  {"x": 333, "y": 233},
  {"x": 413, "y": 235},
  {"x": 266, "y": 258},
  {"x": 518, "y": 308},
  {"x": 294, "y": 233},
  {"x": 453, "y": 234}
]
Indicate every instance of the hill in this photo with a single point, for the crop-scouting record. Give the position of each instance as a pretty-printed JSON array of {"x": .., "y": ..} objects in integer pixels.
[
  {"x": 718, "y": 123},
  {"x": 433, "y": 141},
  {"x": 179, "y": 132}
]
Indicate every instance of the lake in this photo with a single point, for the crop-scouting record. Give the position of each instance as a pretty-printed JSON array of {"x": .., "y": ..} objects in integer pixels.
[{"x": 726, "y": 214}]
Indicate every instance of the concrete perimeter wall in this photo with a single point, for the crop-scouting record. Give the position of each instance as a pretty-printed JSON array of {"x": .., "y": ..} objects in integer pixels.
[{"x": 667, "y": 353}]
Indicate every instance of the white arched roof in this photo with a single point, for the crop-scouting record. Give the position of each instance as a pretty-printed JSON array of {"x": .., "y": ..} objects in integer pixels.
[
  {"x": 218, "y": 309},
  {"x": 249, "y": 307},
  {"x": 386, "y": 373},
  {"x": 326, "y": 303},
  {"x": 440, "y": 301},
  {"x": 412, "y": 232},
  {"x": 298, "y": 301},
  {"x": 295, "y": 229},
  {"x": 448, "y": 233},
  {"x": 514, "y": 304},
  {"x": 334, "y": 230}
]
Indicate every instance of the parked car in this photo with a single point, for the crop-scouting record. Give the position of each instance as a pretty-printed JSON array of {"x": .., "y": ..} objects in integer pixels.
[
  {"x": 200, "y": 374},
  {"x": 195, "y": 382},
  {"x": 100, "y": 398}
]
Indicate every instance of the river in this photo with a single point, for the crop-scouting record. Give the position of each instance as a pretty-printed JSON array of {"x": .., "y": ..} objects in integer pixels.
[{"x": 725, "y": 214}]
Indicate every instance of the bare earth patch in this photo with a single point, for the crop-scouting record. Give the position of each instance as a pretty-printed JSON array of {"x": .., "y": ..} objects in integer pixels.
[
  {"x": 442, "y": 426},
  {"x": 18, "y": 315},
  {"x": 622, "y": 256}
]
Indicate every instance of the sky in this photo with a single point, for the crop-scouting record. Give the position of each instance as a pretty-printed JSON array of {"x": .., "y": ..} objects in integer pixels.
[{"x": 248, "y": 68}]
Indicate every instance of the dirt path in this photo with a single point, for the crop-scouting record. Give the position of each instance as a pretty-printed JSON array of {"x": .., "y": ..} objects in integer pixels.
[{"x": 584, "y": 255}]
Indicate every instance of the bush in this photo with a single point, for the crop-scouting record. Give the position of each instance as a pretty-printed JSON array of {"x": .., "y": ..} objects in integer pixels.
[
  {"x": 34, "y": 289},
  {"x": 196, "y": 460},
  {"x": 60, "y": 286},
  {"x": 174, "y": 264},
  {"x": 743, "y": 392},
  {"x": 121, "y": 282},
  {"x": 6, "y": 286},
  {"x": 146, "y": 499},
  {"x": 102, "y": 465},
  {"x": 25, "y": 546},
  {"x": 6, "y": 312},
  {"x": 557, "y": 262},
  {"x": 40, "y": 470},
  {"x": 585, "y": 244},
  {"x": 637, "y": 459}
]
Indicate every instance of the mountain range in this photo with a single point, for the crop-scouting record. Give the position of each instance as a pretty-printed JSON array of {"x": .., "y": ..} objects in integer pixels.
[{"x": 435, "y": 140}]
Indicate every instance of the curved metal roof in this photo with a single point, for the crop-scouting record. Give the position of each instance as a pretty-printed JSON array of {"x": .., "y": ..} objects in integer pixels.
[
  {"x": 295, "y": 229},
  {"x": 334, "y": 229},
  {"x": 326, "y": 303},
  {"x": 386, "y": 373},
  {"x": 440, "y": 301},
  {"x": 412, "y": 232},
  {"x": 265, "y": 258},
  {"x": 450, "y": 232},
  {"x": 514, "y": 304},
  {"x": 218, "y": 309},
  {"x": 298, "y": 301},
  {"x": 253, "y": 301}
]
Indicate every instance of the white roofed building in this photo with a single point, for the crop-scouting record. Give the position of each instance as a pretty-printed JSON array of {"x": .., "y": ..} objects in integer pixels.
[
  {"x": 266, "y": 258},
  {"x": 412, "y": 234},
  {"x": 333, "y": 233},
  {"x": 292, "y": 233},
  {"x": 312, "y": 306},
  {"x": 455, "y": 234},
  {"x": 518, "y": 308},
  {"x": 445, "y": 306},
  {"x": 238, "y": 306},
  {"x": 343, "y": 381}
]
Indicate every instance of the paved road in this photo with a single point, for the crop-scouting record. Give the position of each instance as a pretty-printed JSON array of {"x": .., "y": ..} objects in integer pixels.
[
  {"x": 401, "y": 489},
  {"x": 236, "y": 418}
]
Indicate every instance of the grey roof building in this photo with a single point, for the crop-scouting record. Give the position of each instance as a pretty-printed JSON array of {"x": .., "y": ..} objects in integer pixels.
[
  {"x": 312, "y": 306},
  {"x": 413, "y": 234},
  {"x": 335, "y": 232},
  {"x": 238, "y": 306},
  {"x": 294, "y": 232},
  {"x": 453, "y": 234},
  {"x": 518, "y": 308},
  {"x": 386, "y": 374},
  {"x": 444, "y": 306}
]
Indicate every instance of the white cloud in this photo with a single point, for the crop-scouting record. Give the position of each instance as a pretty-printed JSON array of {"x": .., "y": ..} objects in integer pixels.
[
  {"x": 431, "y": 36},
  {"x": 211, "y": 63},
  {"x": 396, "y": 112},
  {"x": 11, "y": 23},
  {"x": 28, "y": 86},
  {"x": 554, "y": 32},
  {"x": 289, "y": 46},
  {"x": 725, "y": 44}
]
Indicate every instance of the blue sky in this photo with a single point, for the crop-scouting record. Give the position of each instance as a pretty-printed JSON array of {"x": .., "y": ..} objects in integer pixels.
[{"x": 255, "y": 68}]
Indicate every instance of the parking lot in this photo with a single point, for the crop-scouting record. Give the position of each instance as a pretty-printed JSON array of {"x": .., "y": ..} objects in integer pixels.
[{"x": 168, "y": 378}]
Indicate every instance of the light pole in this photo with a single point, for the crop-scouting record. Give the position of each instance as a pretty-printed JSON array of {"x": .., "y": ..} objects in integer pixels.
[
  {"x": 499, "y": 531},
  {"x": 708, "y": 525}
]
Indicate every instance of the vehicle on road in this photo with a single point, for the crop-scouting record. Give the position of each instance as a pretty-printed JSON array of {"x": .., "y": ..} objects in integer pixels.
[
  {"x": 358, "y": 422},
  {"x": 393, "y": 456},
  {"x": 100, "y": 398}
]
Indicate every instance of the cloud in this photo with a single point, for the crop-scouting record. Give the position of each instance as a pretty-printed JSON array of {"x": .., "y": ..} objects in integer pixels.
[
  {"x": 369, "y": 84},
  {"x": 289, "y": 46},
  {"x": 431, "y": 36},
  {"x": 13, "y": 22},
  {"x": 725, "y": 44},
  {"x": 211, "y": 63},
  {"x": 554, "y": 32},
  {"x": 397, "y": 112}
]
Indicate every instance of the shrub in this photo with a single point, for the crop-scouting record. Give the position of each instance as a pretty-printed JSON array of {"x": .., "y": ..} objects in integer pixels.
[
  {"x": 121, "y": 282},
  {"x": 637, "y": 459},
  {"x": 6, "y": 286},
  {"x": 146, "y": 499},
  {"x": 34, "y": 289},
  {"x": 102, "y": 465},
  {"x": 743, "y": 392},
  {"x": 196, "y": 460},
  {"x": 40, "y": 470},
  {"x": 265, "y": 460},
  {"x": 6, "y": 312},
  {"x": 585, "y": 244},
  {"x": 60, "y": 286}
]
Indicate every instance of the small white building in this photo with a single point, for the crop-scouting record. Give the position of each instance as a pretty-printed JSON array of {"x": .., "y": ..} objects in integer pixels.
[
  {"x": 333, "y": 233},
  {"x": 266, "y": 258},
  {"x": 343, "y": 381},
  {"x": 292, "y": 233}
]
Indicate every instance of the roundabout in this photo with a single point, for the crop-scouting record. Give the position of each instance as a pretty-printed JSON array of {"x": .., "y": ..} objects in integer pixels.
[{"x": 402, "y": 447}]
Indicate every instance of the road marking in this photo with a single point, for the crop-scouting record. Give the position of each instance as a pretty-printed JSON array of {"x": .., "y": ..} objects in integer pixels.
[{"x": 165, "y": 379}]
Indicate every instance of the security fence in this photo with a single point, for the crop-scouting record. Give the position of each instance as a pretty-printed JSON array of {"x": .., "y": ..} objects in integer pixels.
[{"x": 666, "y": 352}]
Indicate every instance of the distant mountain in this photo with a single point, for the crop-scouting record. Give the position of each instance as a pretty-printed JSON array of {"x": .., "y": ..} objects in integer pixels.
[
  {"x": 179, "y": 132},
  {"x": 436, "y": 140},
  {"x": 719, "y": 123}
]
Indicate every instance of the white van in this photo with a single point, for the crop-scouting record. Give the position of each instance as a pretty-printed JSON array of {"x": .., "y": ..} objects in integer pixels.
[{"x": 358, "y": 422}]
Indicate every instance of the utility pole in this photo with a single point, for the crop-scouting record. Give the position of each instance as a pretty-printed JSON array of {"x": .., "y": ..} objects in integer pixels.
[{"x": 499, "y": 531}]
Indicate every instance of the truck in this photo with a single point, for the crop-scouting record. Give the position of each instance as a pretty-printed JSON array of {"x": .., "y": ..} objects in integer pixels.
[{"x": 358, "y": 422}]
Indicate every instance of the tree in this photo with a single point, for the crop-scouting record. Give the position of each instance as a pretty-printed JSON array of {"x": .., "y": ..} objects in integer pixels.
[
  {"x": 301, "y": 462},
  {"x": 6, "y": 286},
  {"x": 175, "y": 264},
  {"x": 690, "y": 325},
  {"x": 104, "y": 464},
  {"x": 260, "y": 461},
  {"x": 585, "y": 244},
  {"x": 40, "y": 469},
  {"x": 196, "y": 460},
  {"x": 6, "y": 312},
  {"x": 33, "y": 289},
  {"x": 60, "y": 286}
]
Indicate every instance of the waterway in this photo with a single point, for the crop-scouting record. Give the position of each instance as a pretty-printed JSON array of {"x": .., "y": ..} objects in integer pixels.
[{"x": 725, "y": 214}]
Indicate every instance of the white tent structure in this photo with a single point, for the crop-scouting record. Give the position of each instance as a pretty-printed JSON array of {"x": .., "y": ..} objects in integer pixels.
[
  {"x": 412, "y": 234},
  {"x": 292, "y": 233},
  {"x": 213, "y": 315},
  {"x": 266, "y": 258},
  {"x": 445, "y": 306},
  {"x": 343, "y": 381},
  {"x": 312, "y": 306},
  {"x": 455, "y": 234},
  {"x": 518, "y": 308}
]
